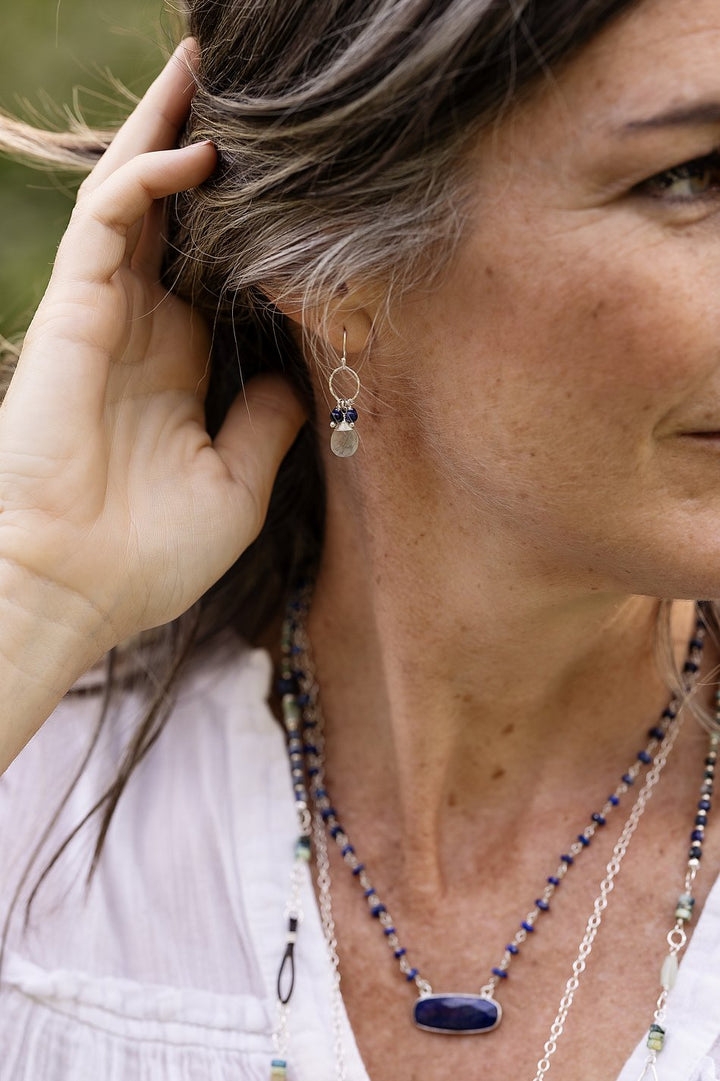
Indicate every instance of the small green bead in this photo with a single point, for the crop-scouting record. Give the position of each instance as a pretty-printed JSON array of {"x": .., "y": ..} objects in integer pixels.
[
  {"x": 291, "y": 710},
  {"x": 656, "y": 1038},
  {"x": 302, "y": 849},
  {"x": 685, "y": 906}
]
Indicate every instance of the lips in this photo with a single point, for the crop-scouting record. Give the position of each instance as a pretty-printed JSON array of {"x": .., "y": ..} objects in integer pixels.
[{"x": 702, "y": 439}]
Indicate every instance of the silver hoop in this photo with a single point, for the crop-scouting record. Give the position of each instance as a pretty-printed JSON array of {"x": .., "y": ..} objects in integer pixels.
[{"x": 344, "y": 368}]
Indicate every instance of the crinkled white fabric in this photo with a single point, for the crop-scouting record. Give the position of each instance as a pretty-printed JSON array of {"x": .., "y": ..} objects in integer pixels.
[{"x": 166, "y": 970}]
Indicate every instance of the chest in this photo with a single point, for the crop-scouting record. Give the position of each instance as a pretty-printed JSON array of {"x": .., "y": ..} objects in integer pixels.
[
  {"x": 455, "y": 944},
  {"x": 610, "y": 1014}
]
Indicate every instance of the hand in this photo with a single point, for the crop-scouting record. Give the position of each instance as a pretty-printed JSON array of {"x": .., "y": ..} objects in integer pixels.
[{"x": 110, "y": 487}]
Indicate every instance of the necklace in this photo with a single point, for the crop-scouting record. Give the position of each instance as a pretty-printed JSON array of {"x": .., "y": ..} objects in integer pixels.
[
  {"x": 676, "y": 938},
  {"x": 455, "y": 1013}
]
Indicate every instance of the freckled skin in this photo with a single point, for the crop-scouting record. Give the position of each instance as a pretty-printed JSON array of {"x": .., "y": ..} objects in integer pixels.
[
  {"x": 590, "y": 318},
  {"x": 523, "y": 490}
]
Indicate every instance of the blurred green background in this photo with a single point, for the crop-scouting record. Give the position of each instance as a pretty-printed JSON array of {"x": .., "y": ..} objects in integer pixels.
[{"x": 54, "y": 53}]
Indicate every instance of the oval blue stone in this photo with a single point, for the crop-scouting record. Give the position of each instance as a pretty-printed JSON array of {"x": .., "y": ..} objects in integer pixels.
[{"x": 460, "y": 1014}]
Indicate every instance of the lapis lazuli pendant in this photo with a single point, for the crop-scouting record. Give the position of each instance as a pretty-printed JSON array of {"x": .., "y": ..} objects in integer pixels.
[{"x": 458, "y": 1015}]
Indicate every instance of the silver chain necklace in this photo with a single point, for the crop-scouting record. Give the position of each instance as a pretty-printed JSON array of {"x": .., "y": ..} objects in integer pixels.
[{"x": 448, "y": 1013}]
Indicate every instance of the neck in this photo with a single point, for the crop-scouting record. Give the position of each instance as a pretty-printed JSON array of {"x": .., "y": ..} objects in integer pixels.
[{"x": 455, "y": 675}]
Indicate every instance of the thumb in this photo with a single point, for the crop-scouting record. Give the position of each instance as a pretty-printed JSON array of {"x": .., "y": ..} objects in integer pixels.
[{"x": 258, "y": 431}]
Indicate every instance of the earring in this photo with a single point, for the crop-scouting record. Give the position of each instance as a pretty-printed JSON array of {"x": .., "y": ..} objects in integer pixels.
[{"x": 344, "y": 439}]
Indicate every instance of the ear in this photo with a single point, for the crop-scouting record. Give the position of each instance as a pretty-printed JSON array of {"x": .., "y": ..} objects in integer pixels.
[{"x": 350, "y": 314}]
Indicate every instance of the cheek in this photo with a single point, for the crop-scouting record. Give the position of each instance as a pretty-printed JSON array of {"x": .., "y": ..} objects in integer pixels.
[
  {"x": 572, "y": 342},
  {"x": 542, "y": 380}
]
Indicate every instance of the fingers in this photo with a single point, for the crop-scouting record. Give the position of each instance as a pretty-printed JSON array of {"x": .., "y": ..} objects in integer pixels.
[
  {"x": 151, "y": 246},
  {"x": 260, "y": 428},
  {"x": 155, "y": 122},
  {"x": 96, "y": 243}
]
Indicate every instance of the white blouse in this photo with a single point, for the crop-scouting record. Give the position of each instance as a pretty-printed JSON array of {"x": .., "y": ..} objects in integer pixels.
[{"x": 166, "y": 970}]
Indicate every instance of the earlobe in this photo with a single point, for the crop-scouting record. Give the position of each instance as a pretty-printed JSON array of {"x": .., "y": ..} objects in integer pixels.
[
  {"x": 345, "y": 323},
  {"x": 335, "y": 334}
]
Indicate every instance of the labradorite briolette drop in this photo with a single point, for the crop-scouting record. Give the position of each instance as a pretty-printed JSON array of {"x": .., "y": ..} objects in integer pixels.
[
  {"x": 464, "y": 1015},
  {"x": 344, "y": 440}
]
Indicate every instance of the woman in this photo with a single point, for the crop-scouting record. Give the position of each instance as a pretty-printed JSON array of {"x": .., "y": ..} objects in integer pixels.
[{"x": 485, "y": 238}]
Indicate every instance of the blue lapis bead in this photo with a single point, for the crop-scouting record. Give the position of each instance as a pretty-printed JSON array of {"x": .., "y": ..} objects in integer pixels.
[
  {"x": 320, "y": 793},
  {"x": 696, "y": 643},
  {"x": 614, "y": 800},
  {"x": 457, "y": 1013},
  {"x": 347, "y": 849},
  {"x": 313, "y": 771},
  {"x": 411, "y": 975},
  {"x": 697, "y": 835},
  {"x": 511, "y": 948},
  {"x": 388, "y": 930},
  {"x": 400, "y": 951},
  {"x": 584, "y": 841},
  {"x": 500, "y": 973},
  {"x": 695, "y": 852},
  {"x": 527, "y": 927},
  {"x": 285, "y": 686},
  {"x": 310, "y": 748},
  {"x": 351, "y": 415},
  {"x": 303, "y": 699},
  {"x": 643, "y": 756},
  {"x": 600, "y": 819},
  {"x": 369, "y": 892},
  {"x": 296, "y": 649},
  {"x": 669, "y": 713},
  {"x": 567, "y": 859},
  {"x": 542, "y": 904},
  {"x": 334, "y": 830},
  {"x": 656, "y": 733},
  {"x": 336, "y": 414},
  {"x": 328, "y": 812},
  {"x": 359, "y": 869},
  {"x": 377, "y": 910},
  {"x": 691, "y": 666},
  {"x": 553, "y": 880},
  {"x": 628, "y": 779},
  {"x": 704, "y": 805},
  {"x": 297, "y": 673}
]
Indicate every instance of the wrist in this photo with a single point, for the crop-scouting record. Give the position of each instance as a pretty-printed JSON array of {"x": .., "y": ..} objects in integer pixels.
[{"x": 49, "y": 636}]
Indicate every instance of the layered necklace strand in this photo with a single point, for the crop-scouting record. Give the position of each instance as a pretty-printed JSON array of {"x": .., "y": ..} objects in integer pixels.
[
  {"x": 676, "y": 938},
  {"x": 457, "y": 1013}
]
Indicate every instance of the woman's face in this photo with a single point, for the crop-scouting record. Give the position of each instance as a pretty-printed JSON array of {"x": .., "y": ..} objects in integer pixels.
[{"x": 564, "y": 376}]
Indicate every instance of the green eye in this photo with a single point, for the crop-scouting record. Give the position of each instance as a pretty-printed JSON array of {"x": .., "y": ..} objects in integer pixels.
[{"x": 692, "y": 180}]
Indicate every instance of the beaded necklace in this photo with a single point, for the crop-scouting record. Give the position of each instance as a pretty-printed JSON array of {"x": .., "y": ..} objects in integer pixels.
[{"x": 453, "y": 1013}]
